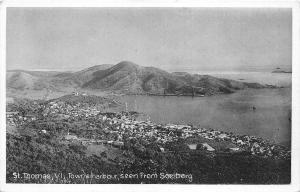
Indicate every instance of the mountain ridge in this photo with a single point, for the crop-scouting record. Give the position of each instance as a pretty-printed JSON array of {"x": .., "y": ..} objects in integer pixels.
[{"x": 128, "y": 78}]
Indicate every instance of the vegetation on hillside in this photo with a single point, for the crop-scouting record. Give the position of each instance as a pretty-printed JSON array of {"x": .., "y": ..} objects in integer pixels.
[{"x": 126, "y": 77}]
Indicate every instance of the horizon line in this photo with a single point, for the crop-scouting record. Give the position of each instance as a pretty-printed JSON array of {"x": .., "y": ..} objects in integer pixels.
[{"x": 187, "y": 71}]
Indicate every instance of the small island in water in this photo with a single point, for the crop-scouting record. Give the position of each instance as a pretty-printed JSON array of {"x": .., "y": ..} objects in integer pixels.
[{"x": 279, "y": 70}]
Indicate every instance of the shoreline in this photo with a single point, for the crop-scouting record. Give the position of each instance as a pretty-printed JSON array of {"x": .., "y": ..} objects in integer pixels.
[
  {"x": 215, "y": 135},
  {"x": 123, "y": 121},
  {"x": 106, "y": 96},
  {"x": 79, "y": 130}
]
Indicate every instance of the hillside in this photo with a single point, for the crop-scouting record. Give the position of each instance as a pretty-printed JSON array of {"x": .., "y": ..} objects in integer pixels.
[
  {"x": 37, "y": 73},
  {"x": 23, "y": 80},
  {"x": 53, "y": 80},
  {"x": 80, "y": 77},
  {"x": 131, "y": 78},
  {"x": 126, "y": 77}
]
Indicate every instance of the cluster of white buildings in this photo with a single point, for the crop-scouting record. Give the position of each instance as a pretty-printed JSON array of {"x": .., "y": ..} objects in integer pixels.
[{"x": 67, "y": 110}]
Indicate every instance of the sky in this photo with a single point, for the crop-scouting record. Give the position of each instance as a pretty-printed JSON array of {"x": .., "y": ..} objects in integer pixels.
[{"x": 173, "y": 39}]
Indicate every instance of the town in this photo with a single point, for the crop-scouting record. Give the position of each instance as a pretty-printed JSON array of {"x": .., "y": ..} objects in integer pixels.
[{"x": 88, "y": 124}]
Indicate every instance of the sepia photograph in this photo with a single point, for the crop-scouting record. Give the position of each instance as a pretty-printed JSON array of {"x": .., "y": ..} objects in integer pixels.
[{"x": 149, "y": 95}]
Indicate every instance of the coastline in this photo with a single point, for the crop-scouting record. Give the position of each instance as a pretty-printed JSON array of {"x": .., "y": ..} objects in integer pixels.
[{"x": 136, "y": 141}]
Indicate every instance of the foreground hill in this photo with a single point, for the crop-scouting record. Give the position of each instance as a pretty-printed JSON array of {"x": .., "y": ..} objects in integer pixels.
[
  {"x": 129, "y": 78},
  {"x": 72, "y": 135}
]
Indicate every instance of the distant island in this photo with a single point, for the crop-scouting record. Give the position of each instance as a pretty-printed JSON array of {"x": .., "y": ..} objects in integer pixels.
[{"x": 279, "y": 70}]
